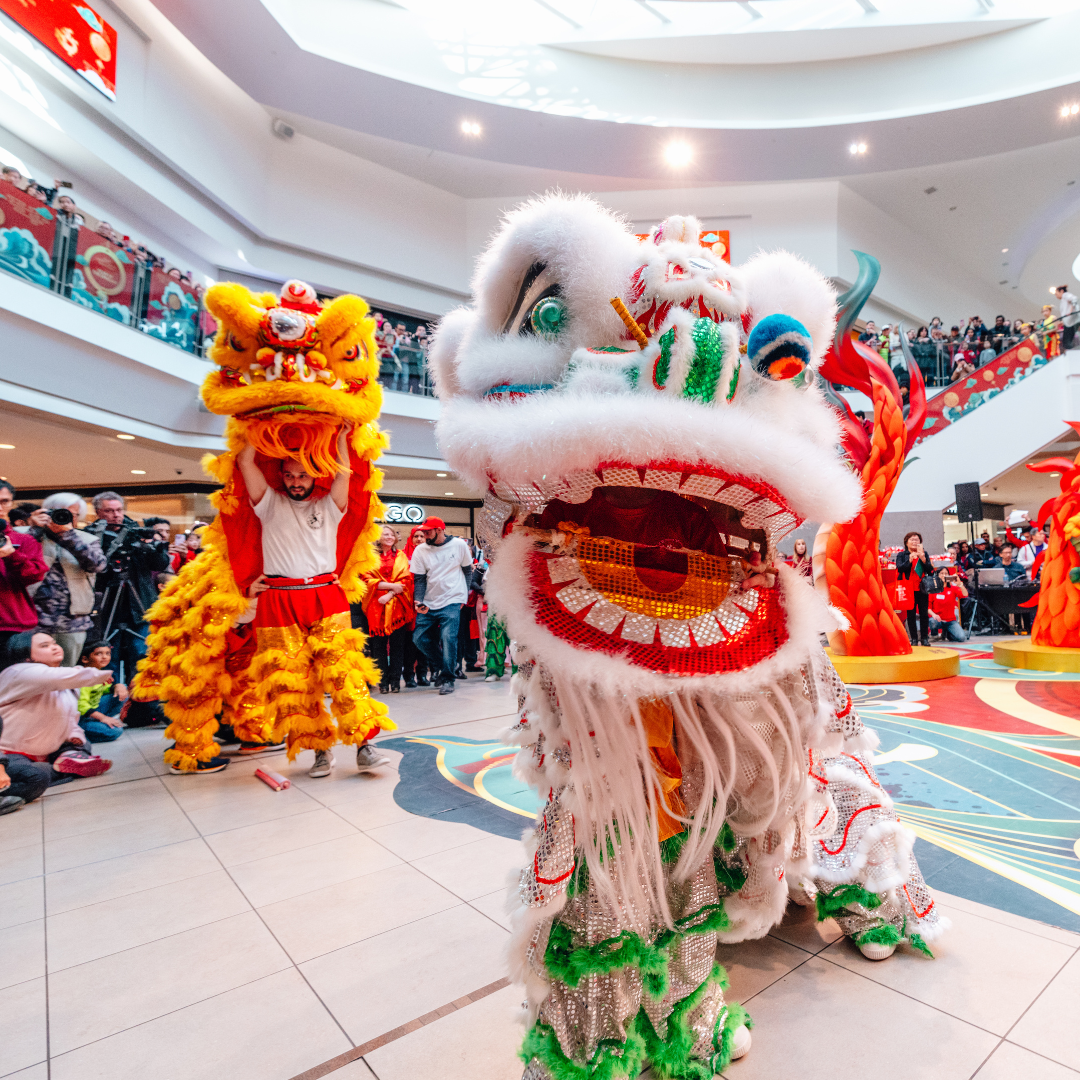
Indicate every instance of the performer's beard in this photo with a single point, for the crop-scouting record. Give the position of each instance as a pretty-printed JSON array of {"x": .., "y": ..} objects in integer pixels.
[{"x": 298, "y": 494}]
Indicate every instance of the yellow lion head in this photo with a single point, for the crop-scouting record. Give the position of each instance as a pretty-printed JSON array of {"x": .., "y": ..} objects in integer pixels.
[{"x": 291, "y": 370}]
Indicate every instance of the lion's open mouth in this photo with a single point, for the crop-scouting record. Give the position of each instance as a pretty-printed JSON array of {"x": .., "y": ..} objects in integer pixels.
[{"x": 648, "y": 560}]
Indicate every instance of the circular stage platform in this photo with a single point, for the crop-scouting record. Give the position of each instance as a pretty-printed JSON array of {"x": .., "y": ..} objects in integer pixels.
[
  {"x": 923, "y": 664},
  {"x": 1021, "y": 653}
]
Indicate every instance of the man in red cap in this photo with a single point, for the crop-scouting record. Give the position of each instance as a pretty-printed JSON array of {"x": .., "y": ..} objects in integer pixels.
[{"x": 441, "y": 568}]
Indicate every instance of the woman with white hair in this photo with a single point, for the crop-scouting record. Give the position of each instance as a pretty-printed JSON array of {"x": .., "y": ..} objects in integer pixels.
[{"x": 65, "y": 598}]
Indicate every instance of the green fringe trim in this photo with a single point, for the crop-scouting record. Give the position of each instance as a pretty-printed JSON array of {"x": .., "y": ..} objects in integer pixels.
[
  {"x": 844, "y": 896},
  {"x": 727, "y": 837},
  {"x": 728, "y": 877},
  {"x": 612, "y": 1060},
  {"x": 916, "y": 941},
  {"x": 672, "y": 847},
  {"x": 670, "y": 1058},
  {"x": 885, "y": 934},
  {"x": 733, "y": 1017},
  {"x": 571, "y": 965}
]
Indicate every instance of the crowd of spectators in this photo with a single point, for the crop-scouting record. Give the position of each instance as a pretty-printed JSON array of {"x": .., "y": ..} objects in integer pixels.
[
  {"x": 72, "y": 628},
  {"x": 60, "y": 200},
  {"x": 948, "y": 354},
  {"x": 402, "y": 354}
]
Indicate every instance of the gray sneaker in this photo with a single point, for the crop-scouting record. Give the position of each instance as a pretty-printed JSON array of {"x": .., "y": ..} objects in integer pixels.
[
  {"x": 324, "y": 762},
  {"x": 368, "y": 758}
]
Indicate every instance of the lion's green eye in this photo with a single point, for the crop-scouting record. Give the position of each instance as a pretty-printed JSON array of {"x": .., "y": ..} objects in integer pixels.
[{"x": 548, "y": 316}]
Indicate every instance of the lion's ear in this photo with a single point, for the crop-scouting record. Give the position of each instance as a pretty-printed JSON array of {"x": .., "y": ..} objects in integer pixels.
[
  {"x": 235, "y": 307},
  {"x": 346, "y": 332}
]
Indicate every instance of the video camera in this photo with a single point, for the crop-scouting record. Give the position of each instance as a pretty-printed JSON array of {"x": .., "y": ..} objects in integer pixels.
[{"x": 122, "y": 549}]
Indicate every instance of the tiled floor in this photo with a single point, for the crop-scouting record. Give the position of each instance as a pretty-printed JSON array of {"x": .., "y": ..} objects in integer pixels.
[{"x": 207, "y": 927}]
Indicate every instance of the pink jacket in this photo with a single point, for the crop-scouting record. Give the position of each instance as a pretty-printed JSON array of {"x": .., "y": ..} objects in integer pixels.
[{"x": 39, "y": 710}]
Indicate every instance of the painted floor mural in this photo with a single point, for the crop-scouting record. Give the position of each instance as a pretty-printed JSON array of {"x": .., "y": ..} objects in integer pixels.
[{"x": 985, "y": 768}]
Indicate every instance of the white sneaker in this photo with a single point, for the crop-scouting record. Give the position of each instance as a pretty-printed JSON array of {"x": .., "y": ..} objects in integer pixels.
[
  {"x": 324, "y": 762},
  {"x": 368, "y": 758},
  {"x": 874, "y": 951},
  {"x": 740, "y": 1045},
  {"x": 493, "y": 678}
]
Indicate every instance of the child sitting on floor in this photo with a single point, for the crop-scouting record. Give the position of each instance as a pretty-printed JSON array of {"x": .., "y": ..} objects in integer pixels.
[
  {"x": 99, "y": 705},
  {"x": 41, "y": 719}
]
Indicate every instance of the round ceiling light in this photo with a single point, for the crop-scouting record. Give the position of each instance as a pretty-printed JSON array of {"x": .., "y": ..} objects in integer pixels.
[
  {"x": 470, "y": 127},
  {"x": 678, "y": 154}
]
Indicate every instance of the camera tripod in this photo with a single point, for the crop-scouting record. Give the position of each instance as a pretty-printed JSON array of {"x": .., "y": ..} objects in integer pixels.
[{"x": 122, "y": 589}]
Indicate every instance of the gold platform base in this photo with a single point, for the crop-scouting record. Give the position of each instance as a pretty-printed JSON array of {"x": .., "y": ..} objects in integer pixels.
[
  {"x": 1021, "y": 653},
  {"x": 923, "y": 664}
]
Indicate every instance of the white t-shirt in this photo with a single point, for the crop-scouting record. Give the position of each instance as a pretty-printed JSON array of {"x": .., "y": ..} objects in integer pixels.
[
  {"x": 299, "y": 539},
  {"x": 443, "y": 567}
]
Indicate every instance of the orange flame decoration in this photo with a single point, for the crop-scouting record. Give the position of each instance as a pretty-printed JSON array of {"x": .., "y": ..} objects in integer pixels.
[
  {"x": 1057, "y": 621},
  {"x": 846, "y": 555}
]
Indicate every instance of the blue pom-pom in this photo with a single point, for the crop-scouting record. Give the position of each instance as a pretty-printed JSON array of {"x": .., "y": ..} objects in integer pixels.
[{"x": 779, "y": 347}]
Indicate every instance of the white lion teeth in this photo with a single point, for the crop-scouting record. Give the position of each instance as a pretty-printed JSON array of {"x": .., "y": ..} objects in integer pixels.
[
  {"x": 662, "y": 480},
  {"x": 737, "y": 496},
  {"x": 639, "y": 628},
  {"x": 563, "y": 569},
  {"x": 675, "y": 633},
  {"x": 605, "y": 616},
  {"x": 574, "y": 598},
  {"x": 731, "y": 618},
  {"x": 703, "y": 486},
  {"x": 706, "y": 630},
  {"x": 757, "y": 513},
  {"x": 621, "y": 478}
]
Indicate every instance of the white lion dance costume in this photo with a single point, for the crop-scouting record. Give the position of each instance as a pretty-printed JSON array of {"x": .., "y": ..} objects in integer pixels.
[{"x": 700, "y": 757}]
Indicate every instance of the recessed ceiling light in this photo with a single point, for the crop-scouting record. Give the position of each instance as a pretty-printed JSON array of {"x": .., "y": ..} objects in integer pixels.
[
  {"x": 678, "y": 154},
  {"x": 448, "y": 493},
  {"x": 138, "y": 472},
  {"x": 470, "y": 127},
  {"x": 6, "y": 446},
  {"x": 859, "y": 148},
  {"x": 1055, "y": 474},
  {"x": 1070, "y": 110},
  {"x": 1003, "y": 250},
  {"x": 119, "y": 436},
  {"x": 441, "y": 474}
]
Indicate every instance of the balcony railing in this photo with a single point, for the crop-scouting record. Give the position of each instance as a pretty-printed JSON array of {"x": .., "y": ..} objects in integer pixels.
[{"x": 47, "y": 247}]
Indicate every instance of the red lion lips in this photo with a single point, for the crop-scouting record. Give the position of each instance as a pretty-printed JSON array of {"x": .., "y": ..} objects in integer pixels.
[{"x": 647, "y": 562}]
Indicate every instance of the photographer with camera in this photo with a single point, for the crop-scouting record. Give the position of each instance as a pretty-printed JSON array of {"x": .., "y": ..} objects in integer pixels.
[
  {"x": 126, "y": 586},
  {"x": 21, "y": 565},
  {"x": 65, "y": 598}
]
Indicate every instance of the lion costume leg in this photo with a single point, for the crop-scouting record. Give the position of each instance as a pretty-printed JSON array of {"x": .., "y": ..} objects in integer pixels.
[
  {"x": 343, "y": 672},
  {"x": 611, "y": 985}
]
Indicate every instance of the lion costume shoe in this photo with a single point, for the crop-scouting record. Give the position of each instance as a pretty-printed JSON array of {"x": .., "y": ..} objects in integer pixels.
[
  {"x": 291, "y": 373},
  {"x": 646, "y": 423}
]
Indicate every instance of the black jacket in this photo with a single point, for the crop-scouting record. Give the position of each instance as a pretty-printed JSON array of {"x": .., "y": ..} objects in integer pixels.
[{"x": 144, "y": 558}]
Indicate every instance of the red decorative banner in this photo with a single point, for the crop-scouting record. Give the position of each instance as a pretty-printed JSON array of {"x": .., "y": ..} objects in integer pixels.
[
  {"x": 107, "y": 276},
  {"x": 74, "y": 32},
  {"x": 27, "y": 230},
  {"x": 173, "y": 311}
]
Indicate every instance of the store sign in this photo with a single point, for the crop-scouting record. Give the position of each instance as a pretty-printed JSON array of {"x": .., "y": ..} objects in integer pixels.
[
  {"x": 74, "y": 32},
  {"x": 408, "y": 512}
]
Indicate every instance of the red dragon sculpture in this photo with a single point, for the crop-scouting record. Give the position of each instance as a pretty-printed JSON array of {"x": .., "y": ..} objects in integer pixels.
[{"x": 846, "y": 562}]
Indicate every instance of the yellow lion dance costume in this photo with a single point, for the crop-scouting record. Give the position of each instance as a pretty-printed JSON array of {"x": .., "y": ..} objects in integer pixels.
[{"x": 291, "y": 372}]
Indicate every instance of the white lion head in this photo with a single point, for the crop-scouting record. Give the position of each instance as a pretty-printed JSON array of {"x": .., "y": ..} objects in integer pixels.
[{"x": 638, "y": 465}]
